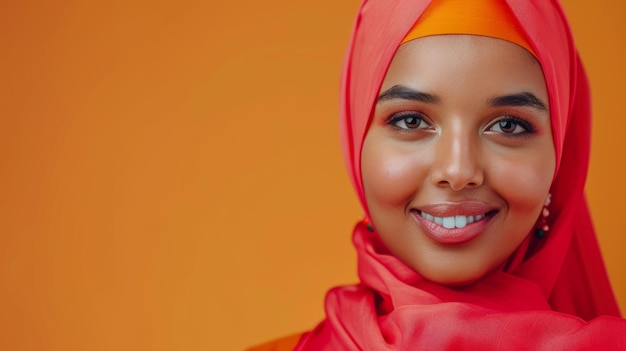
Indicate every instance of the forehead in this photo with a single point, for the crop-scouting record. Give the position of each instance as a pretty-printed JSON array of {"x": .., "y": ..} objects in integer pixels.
[{"x": 448, "y": 61}]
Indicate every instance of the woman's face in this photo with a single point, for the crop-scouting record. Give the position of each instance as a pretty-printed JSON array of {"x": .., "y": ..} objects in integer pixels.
[{"x": 458, "y": 159}]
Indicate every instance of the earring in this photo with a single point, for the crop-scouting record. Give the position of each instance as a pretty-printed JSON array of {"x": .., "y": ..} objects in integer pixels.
[
  {"x": 367, "y": 222},
  {"x": 541, "y": 228}
]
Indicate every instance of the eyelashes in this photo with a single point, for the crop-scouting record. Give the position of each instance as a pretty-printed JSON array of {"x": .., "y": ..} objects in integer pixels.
[
  {"x": 506, "y": 125},
  {"x": 513, "y": 127},
  {"x": 408, "y": 121}
]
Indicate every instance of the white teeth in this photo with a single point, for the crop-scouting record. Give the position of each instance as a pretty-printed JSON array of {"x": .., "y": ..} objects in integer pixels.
[
  {"x": 460, "y": 221},
  {"x": 448, "y": 222},
  {"x": 453, "y": 221}
]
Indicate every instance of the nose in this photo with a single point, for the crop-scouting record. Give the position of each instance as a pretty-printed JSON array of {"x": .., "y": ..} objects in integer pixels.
[{"x": 457, "y": 160}]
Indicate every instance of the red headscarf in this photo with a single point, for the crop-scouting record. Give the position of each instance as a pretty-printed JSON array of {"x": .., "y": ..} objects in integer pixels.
[{"x": 551, "y": 292}]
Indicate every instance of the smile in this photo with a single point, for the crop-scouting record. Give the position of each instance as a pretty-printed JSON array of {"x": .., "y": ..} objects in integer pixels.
[{"x": 453, "y": 221}]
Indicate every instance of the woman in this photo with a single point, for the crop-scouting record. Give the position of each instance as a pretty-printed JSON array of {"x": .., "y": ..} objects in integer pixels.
[{"x": 466, "y": 133}]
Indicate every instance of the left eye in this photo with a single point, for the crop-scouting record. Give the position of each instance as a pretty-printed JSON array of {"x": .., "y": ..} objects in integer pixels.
[
  {"x": 511, "y": 126},
  {"x": 408, "y": 121}
]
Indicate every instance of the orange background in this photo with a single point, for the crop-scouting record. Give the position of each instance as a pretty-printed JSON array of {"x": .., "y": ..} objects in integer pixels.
[{"x": 171, "y": 175}]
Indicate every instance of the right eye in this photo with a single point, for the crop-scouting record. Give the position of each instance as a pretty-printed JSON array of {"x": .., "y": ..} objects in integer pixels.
[{"x": 408, "y": 120}]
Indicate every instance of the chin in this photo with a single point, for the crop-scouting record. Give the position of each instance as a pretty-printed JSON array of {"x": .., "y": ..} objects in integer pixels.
[{"x": 449, "y": 278}]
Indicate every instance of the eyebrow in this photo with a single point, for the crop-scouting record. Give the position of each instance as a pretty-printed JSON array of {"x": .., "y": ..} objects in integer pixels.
[
  {"x": 406, "y": 93},
  {"x": 521, "y": 99},
  {"x": 517, "y": 100}
]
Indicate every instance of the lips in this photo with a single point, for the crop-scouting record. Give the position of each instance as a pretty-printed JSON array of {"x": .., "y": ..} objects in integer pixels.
[{"x": 455, "y": 223}]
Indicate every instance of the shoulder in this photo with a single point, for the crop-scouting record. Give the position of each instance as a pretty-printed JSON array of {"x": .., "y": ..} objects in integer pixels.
[{"x": 283, "y": 344}]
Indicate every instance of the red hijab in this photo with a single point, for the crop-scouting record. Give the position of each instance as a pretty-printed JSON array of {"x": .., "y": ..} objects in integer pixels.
[{"x": 553, "y": 293}]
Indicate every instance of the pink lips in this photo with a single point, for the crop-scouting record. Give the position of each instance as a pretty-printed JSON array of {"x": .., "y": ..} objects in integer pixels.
[{"x": 455, "y": 236}]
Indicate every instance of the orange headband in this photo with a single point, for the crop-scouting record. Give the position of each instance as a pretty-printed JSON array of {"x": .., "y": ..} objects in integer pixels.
[{"x": 490, "y": 18}]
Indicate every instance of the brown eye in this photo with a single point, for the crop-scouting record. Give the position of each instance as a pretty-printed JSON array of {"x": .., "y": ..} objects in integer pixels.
[
  {"x": 512, "y": 126},
  {"x": 409, "y": 121},
  {"x": 412, "y": 122},
  {"x": 507, "y": 126}
]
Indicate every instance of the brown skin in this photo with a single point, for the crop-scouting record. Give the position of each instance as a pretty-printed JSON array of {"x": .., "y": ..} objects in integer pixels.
[{"x": 458, "y": 146}]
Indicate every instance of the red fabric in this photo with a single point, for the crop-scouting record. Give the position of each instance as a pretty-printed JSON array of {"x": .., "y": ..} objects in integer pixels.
[{"x": 553, "y": 293}]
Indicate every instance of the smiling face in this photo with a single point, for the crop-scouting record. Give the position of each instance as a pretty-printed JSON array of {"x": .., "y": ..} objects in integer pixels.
[{"x": 458, "y": 159}]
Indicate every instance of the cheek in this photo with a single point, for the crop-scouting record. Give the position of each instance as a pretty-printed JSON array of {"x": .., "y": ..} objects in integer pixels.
[
  {"x": 391, "y": 175},
  {"x": 524, "y": 181}
]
